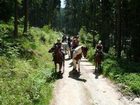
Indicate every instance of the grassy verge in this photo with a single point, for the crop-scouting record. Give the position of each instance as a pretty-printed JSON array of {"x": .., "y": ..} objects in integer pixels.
[
  {"x": 25, "y": 66},
  {"x": 125, "y": 73}
]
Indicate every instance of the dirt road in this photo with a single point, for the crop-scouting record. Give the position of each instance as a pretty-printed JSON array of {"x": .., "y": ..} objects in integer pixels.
[{"x": 85, "y": 89}]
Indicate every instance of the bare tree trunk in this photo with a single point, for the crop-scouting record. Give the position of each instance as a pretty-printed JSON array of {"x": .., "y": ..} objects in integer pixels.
[
  {"x": 16, "y": 20},
  {"x": 119, "y": 36},
  {"x": 26, "y": 16}
]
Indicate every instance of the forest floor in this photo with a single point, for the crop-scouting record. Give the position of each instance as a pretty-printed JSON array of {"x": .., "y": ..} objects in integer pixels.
[{"x": 86, "y": 89}]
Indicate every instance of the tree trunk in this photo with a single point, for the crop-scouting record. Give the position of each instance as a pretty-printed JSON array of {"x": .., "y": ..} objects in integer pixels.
[
  {"x": 16, "y": 20},
  {"x": 26, "y": 16},
  {"x": 119, "y": 36}
]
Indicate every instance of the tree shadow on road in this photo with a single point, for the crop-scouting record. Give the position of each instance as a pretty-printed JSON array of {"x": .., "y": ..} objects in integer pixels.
[{"x": 75, "y": 75}]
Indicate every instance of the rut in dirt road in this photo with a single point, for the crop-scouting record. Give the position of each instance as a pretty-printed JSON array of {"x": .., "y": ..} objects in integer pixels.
[{"x": 85, "y": 89}]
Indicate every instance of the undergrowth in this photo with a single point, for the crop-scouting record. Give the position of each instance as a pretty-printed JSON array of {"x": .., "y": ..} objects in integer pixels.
[
  {"x": 125, "y": 73},
  {"x": 25, "y": 66}
]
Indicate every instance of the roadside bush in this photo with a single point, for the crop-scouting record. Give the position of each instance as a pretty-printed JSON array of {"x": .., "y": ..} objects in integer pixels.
[
  {"x": 90, "y": 54},
  {"x": 25, "y": 65},
  {"x": 121, "y": 72}
]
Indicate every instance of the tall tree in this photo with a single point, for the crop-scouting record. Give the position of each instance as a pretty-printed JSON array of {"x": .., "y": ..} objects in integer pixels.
[
  {"x": 26, "y": 10},
  {"x": 118, "y": 28},
  {"x": 16, "y": 19},
  {"x": 6, "y": 9},
  {"x": 105, "y": 23}
]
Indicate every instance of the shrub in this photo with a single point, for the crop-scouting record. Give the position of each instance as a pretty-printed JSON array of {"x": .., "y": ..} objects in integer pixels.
[
  {"x": 90, "y": 54},
  {"x": 122, "y": 72},
  {"x": 25, "y": 65}
]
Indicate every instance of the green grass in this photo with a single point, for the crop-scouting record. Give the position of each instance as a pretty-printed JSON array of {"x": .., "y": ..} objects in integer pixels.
[
  {"x": 125, "y": 73},
  {"x": 26, "y": 66}
]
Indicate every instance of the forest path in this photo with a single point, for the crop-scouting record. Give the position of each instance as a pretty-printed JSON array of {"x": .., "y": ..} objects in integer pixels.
[{"x": 85, "y": 89}]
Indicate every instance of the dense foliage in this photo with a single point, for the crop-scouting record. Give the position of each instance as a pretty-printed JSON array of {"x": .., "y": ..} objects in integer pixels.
[
  {"x": 116, "y": 21},
  {"x": 25, "y": 66},
  {"x": 125, "y": 73},
  {"x": 41, "y": 12}
]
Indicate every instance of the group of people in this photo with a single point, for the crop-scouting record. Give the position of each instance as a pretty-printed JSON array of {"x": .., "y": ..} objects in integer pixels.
[{"x": 73, "y": 42}]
